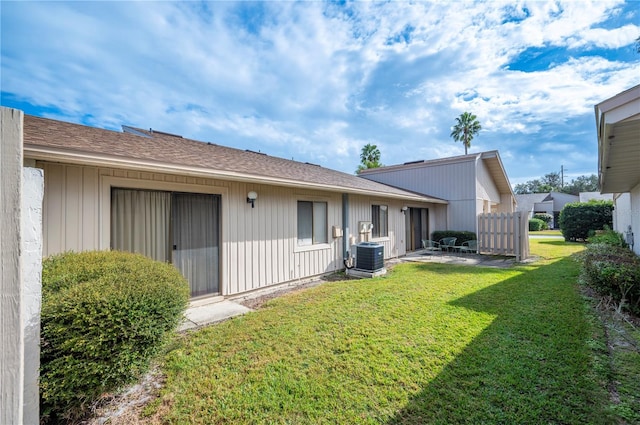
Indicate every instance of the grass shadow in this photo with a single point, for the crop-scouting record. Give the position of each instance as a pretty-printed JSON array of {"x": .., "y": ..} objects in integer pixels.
[{"x": 531, "y": 365}]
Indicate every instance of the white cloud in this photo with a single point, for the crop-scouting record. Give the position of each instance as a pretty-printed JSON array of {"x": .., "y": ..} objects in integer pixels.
[{"x": 316, "y": 81}]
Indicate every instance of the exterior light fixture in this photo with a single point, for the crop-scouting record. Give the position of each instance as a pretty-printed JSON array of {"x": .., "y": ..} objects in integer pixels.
[
  {"x": 403, "y": 209},
  {"x": 251, "y": 197}
]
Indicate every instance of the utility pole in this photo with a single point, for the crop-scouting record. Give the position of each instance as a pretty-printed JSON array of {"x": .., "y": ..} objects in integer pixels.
[{"x": 562, "y": 177}]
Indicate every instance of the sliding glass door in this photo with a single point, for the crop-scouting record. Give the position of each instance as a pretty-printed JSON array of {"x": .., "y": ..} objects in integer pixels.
[
  {"x": 195, "y": 221},
  {"x": 417, "y": 227},
  {"x": 182, "y": 228}
]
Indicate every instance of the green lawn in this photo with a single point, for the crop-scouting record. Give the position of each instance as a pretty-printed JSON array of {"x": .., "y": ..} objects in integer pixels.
[
  {"x": 551, "y": 232},
  {"x": 428, "y": 343}
]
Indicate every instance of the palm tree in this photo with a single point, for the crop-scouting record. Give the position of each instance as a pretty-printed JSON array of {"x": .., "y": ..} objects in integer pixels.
[
  {"x": 369, "y": 158},
  {"x": 466, "y": 127}
]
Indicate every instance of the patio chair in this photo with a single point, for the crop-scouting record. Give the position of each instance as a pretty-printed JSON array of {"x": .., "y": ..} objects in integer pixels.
[
  {"x": 469, "y": 247},
  {"x": 430, "y": 246},
  {"x": 447, "y": 243}
]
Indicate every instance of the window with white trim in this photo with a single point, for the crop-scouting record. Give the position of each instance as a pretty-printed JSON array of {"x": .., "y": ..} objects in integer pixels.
[
  {"x": 312, "y": 223},
  {"x": 380, "y": 221}
]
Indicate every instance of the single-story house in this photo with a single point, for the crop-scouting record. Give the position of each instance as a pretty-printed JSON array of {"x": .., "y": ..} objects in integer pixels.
[
  {"x": 618, "y": 127},
  {"x": 233, "y": 221},
  {"x": 472, "y": 184},
  {"x": 545, "y": 203}
]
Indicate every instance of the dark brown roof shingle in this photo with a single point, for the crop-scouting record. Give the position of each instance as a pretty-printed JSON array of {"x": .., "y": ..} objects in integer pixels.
[{"x": 47, "y": 135}]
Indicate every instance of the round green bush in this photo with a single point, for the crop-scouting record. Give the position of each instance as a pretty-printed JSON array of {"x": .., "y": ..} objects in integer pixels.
[
  {"x": 544, "y": 217},
  {"x": 104, "y": 315},
  {"x": 580, "y": 219},
  {"x": 613, "y": 271},
  {"x": 535, "y": 225}
]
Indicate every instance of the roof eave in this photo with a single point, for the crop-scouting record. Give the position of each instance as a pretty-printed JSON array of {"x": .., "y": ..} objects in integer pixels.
[
  {"x": 495, "y": 155},
  {"x": 39, "y": 153}
]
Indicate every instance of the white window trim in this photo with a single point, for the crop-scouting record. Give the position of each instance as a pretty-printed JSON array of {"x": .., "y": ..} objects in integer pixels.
[
  {"x": 316, "y": 247},
  {"x": 379, "y": 203}
]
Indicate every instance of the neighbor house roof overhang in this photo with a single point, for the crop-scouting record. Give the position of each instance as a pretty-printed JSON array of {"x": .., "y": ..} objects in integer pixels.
[
  {"x": 496, "y": 169},
  {"x": 618, "y": 127},
  {"x": 153, "y": 151}
]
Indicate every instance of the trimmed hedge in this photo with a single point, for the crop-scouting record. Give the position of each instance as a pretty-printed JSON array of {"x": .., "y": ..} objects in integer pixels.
[
  {"x": 104, "y": 315},
  {"x": 613, "y": 271},
  {"x": 610, "y": 237},
  {"x": 579, "y": 220},
  {"x": 544, "y": 217},
  {"x": 462, "y": 236},
  {"x": 535, "y": 225}
]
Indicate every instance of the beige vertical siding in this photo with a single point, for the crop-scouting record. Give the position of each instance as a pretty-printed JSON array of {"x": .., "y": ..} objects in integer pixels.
[
  {"x": 455, "y": 182},
  {"x": 70, "y": 208},
  {"x": 507, "y": 204},
  {"x": 462, "y": 215},
  {"x": 451, "y": 181},
  {"x": 360, "y": 210},
  {"x": 486, "y": 187},
  {"x": 259, "y": 245}
]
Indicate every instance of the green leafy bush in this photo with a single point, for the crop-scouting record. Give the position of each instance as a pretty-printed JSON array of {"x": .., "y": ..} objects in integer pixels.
[
  {"x": 580, "y": 219},
  {"x": 535, "y": 225},
  {"x": 609, "y": 237},
  {"x": 613, "y": 271},
  {"x": 544, "y": 217},
  {"x": 104, "y": 315},
  {"x": 462, "y": 236}
]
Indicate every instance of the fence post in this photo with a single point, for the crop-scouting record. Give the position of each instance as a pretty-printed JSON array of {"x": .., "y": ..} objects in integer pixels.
[
  {"x": 517, "y": 216},
  {"x": 11, "y": 315},
  {"x": 21, "y": 194}
]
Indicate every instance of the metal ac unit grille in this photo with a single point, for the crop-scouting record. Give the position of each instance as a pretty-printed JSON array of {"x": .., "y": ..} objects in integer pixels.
[{"x": 369, "y": 256}]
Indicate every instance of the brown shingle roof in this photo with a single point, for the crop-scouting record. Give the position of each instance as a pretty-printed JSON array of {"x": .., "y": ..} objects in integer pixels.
[{"x": 51, "y": 139}]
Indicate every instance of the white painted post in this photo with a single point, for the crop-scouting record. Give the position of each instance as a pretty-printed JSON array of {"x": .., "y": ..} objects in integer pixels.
[
  {"x": 31, "y": 247},
  {"x": 11, "y": 323}
]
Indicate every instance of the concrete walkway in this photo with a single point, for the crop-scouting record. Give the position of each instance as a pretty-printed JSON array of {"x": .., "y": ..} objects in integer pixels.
[{"x": 201, "y": 313}]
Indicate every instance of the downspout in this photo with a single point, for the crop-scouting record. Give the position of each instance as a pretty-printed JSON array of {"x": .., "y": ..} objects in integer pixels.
[{"x": 347, "y": 259}]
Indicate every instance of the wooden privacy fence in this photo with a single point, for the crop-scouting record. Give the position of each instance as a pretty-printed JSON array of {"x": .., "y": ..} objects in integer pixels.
[{"x": 504, "y": 234}]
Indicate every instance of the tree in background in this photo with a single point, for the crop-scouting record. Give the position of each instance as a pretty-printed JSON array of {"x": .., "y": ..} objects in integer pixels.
[
  {"x": 552, "y": 183},
  {"x": 582, "y": 184},
  {"x": 549, "y": 183},
  {"x": 466, "y": 127},
  {"x": 369, "y": 158}
]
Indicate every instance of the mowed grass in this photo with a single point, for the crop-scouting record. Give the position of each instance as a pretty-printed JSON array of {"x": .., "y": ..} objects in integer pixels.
[
  {"x": 551, "y": 232},
  {"x": 428, "y": 343}
]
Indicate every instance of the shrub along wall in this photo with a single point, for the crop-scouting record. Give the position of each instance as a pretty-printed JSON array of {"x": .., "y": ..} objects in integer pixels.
[
  {"x": 613, "y": 271},
  {"x": 579, "y": 220},
  {"x": 104, "y": 315},
  {"x": 535, "y": 225},
  {"x": 462, "y": 236},
  {"x": 544, "y": 217}
]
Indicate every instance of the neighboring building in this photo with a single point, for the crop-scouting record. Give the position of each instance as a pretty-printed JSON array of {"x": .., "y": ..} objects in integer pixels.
[
  {"x": 595, "y": 196},
  {"x": 548, "y": 203},
  {"x": 232, "y": 221},
  {"x": 471, "y": 184},
  {"x": 618, "y": 127}
]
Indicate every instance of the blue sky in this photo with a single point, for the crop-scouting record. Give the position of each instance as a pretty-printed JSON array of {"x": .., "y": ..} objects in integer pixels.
[{"x": 317, "y": 81}]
